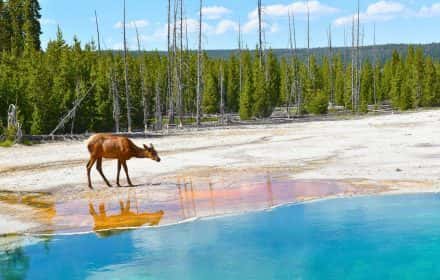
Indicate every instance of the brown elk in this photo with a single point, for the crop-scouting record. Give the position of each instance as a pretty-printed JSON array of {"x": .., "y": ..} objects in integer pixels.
[{"x": 115, "y": 147}]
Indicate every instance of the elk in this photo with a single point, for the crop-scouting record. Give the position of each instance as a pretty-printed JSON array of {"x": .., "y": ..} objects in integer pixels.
[{"x": 115, "y": 147}]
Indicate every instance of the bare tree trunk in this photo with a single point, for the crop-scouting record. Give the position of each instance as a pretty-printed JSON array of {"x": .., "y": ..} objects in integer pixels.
[
  {"x": 345, "y": 46},
  {"x": 289, "y": 97},
  {"x": 169, "y": 69},
  {"x": 143, "y": 88},
  {"x": 297, "y": 84},
  {"x": 374, "y": 68},
  {"x": 308, "y": 39},
  {"x": 180, "y": 95},
  {"x": 222, "y": 96},
  {"x": 358, "y": 58},
  {"x": 127, "y": 89},
  {"x": 330, "y": 46},
  {"x": 97, "y": 32},
  {"x": 260, "y": 46},
  {"x": 72, "y": 127},
  {"x": 353, "y": 66},
  {"x": 158, "y": 104},
  {"x": 240, "y": 57},
  {"x": 186, "y": 34},
  {"x": 115, "y": 96},
  {"x": 199, "y": 68}
]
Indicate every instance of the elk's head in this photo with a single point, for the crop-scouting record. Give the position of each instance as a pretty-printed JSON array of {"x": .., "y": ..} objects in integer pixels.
[{"x": 151, "y": 153}]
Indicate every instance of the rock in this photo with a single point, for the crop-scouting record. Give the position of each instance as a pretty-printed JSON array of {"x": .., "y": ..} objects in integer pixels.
[{"x": 399, "y": 170}]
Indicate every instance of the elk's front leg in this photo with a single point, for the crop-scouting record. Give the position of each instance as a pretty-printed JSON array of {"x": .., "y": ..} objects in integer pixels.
[
  {"x": 124, "y": 164},
  {"x": 117, "y": 174},
  {"x": 89, "y": 169},
  {"x": 99, "y": 168}
]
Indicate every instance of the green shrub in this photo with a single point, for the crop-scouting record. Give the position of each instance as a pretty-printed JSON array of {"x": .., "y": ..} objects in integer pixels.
[
  {"x": 10, "y": 134},
  {"x": 318, "y": 104},
  {"x": 6, "y": 143}
]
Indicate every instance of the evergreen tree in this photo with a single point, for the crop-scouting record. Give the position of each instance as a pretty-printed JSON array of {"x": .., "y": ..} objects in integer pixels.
[
  {"x": 272, "y": 73},
  {"x": 366, "y": 93},
  {"x": 15, "y": 9},
  {"x": 233, "y": 85},
  {"x": 31, "y": 24},
  {"x": 5, "y": 27},
  {"x": 211, "y": 95},
  {"x": 262, "y": 103},
  {"x": 339, "y": 81},
  {"x": 396, "y": 85},
  {"x": 246, "y": 98},
  {"x": 428, "y": 98},
  {"x": 285, "y": 82}
]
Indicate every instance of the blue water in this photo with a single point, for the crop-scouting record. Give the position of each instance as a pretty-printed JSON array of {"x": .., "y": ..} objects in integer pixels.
[{"x": 395, "y": 237}]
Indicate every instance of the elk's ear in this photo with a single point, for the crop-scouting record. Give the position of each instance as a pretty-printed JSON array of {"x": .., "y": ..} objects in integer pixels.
[
  {"x": 146, "y": 147},
  {"x": 152, "y": 147}
]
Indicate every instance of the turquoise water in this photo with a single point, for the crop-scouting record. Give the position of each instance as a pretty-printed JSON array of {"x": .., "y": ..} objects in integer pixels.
[{"x": 395, "y": 237}]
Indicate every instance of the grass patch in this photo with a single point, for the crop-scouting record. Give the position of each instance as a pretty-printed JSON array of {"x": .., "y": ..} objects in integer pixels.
[
  {"x": 10, "y": 143},
  {"x": 6, "y": 144},
  {"x": 27, "y": 143}
]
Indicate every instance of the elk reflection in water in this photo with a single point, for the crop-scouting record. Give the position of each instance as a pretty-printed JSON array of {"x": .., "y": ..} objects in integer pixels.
[{"x": 126, "y": 219}]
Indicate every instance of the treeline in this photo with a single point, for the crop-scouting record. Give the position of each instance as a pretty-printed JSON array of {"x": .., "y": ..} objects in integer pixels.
[{"x": 45, "y": 85}]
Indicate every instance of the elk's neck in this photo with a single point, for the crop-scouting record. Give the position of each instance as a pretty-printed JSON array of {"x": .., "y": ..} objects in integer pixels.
[{"x": 137, "y": 152}]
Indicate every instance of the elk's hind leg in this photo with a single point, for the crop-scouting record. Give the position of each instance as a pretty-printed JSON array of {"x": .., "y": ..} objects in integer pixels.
[
  {"x": 119, "y": 172},
  {"x": 89, "y": 168},
  {"x": 99, "y": 168},
  {"x": 124, "y": 164}
]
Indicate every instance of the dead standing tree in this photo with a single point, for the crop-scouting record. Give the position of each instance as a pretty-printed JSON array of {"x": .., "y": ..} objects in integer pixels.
[
  {"x": 114, "y": 93},
  {"x": 127, "y": 86},
  {"x": 374, "y": 68},
  {"x": 143, "y": 87},
  {"x": 97, "y": 32},
  {"x": 169, "y": 70},
  {"x": 309, "y": 70},
  {"x": 331, "y": 73},
  {"x": 260, "y": 33},
  {"x": 290, "y": 94},
  {"x": 355, "y": 66},
  {"x": 222, "y": 94},
  {"x": 240, "y": 46},
  {"x": 13, "y": 123},
  {"x": 158, "y": 116},
  {"x": 199, "y": 69},
  {"x": 180, "y": 76}
]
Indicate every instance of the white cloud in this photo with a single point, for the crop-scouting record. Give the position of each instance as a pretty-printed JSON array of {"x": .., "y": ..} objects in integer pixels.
[
  {"x": 430, "y": 11},
  {"x": 215, "y": 12},
  {"x": 252, "y": 25},
  {"x": 379, "y": 11},
  {"x": 191, "y": 25},
  {"x": 316, "y": 8},
  {"x": 385, "y": 8},
  {"x": 47, "y": 21},
  {"x": 298, "y": 8},
  {"x": 226, "y": 25},
  {"x": 140, "y": 23}
]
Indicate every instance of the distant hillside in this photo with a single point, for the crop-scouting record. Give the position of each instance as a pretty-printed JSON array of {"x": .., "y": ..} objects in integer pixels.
[{"x": 382, "y": 52}]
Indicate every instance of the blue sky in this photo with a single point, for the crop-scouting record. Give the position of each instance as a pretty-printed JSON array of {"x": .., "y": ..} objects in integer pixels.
[{"x": 400, "y": 21}]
